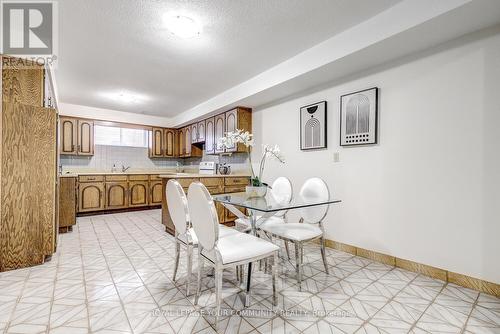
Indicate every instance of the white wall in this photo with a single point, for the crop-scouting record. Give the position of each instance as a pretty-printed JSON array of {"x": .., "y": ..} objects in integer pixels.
[
  {"x": 75, "y": 110},
  {"x": 429, "y": 191}
]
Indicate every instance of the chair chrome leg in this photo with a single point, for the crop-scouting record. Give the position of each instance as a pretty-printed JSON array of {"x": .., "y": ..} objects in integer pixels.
[
  {"x": 177, "y": 255},
  {"x": 189, "y": 267},
  {"x": 298, "y": 264},
  {"x": 249, "y": 280},
  {"x": 218, "y": 293},
  {"x": 287, "y": 250},
  {"x": 323, "y": 255},
  {"x": 200, "y": 270},
  {"x": 275, "y": 271}
]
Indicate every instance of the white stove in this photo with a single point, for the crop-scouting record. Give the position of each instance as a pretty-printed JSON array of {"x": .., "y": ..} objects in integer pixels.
[{"x": 208, "y": 168}]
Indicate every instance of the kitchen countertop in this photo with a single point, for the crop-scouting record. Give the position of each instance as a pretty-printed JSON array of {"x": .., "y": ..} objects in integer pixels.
[{"x": 162, "y": 174}]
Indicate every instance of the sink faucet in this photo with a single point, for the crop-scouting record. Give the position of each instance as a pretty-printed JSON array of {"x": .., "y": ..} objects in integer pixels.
[
  {"x": 178, "y": 168},
  {"x": 124, "y": 169}
]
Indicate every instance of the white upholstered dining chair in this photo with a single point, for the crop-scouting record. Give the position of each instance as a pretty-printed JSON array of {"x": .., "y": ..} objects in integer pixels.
[
  {"x": 309, "y": 227},
  {"x": 230, "y": 251},
  {"x": 184, "y": 234}
]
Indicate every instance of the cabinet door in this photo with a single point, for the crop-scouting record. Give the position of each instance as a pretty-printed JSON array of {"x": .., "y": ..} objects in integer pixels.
[
  {"x": 116, "y": 195},
  {"x": 67, "y": 201},
  {"x": 201, "y": 132},
  {"x": 68, "y": 133},
  {"x": 85, "y": 137},
  {"x": 219, "y": 131},
  {"x": 170, "y": 142},
  {"x": 90, "y": 197},
  {"x": 231, "y": 126},
  {"x": 157, "y": 142},
  {"x": 194, "y": 133},
  {"x": 188, "y": 141},
  {"x": 139, "y": 193},
  {"x": 209, "y": 136},
  {"x": 182, "y": 143},
  {"x": 156, "y": 193}
]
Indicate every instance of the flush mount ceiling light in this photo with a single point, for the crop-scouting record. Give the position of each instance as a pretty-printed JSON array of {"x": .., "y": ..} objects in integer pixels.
[
  {"x": 124, "y": 97},
  {"x": 182, "y": 26}
]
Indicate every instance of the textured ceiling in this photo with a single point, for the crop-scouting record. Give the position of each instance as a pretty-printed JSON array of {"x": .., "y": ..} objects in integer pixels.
[{"x": 111, "y": 46}]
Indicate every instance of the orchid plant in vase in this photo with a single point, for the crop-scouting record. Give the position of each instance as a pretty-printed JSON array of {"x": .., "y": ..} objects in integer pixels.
[{"x": 246, "y": 138}]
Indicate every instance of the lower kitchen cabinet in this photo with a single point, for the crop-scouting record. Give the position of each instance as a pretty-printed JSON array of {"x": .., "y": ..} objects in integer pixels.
[
  {"x": 67, "y": 203},
  {"x": 156, "y": 193},
  {"x": 116, "y": 195},
  {"x": 90, "y": 196},
  {"x": 139, "y": 191}
]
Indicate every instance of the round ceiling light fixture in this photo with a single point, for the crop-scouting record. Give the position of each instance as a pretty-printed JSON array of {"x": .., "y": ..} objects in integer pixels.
[{"x": 182, "y": 26}]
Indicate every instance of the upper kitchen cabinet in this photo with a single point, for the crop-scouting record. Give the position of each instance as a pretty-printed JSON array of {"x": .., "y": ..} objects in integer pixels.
[
  {"x": 219, "y": 132},
  {"x": 68, "y": 131},
  {"x": 238, "y": 118},
  {"x": 163, "y": 143},
  {"x": 201, "y": 132},
  {"x": 76, "y": 136},
  {"x": 171, "y": 145},
  {"x": 156, "y": 143},
  {"x": 209, "y": 136},
  {"x": 85, "y": 137}
]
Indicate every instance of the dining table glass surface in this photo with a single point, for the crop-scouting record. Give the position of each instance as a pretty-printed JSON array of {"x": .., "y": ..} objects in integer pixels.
[{"x": 267, "y": 203}]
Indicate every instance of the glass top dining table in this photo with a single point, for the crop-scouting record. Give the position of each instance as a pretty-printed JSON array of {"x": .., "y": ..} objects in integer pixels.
[{"x": 261, "y": 208}]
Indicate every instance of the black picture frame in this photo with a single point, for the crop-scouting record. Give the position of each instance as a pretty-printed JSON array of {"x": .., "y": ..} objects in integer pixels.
[
  {"x": 372, "y": 139},
  {"x": 323, "y": 125}
]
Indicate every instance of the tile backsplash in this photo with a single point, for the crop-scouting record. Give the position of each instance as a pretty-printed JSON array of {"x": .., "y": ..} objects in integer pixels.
[{"x": 137, "y": 158}]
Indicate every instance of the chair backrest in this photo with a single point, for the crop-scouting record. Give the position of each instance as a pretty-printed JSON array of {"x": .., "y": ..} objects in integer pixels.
[
  {"x": 282, "y": 192},
  {"x": 314, "y": 190},
  {"x": 203, "y": 215},
  {"x": 177, "y": 206}
]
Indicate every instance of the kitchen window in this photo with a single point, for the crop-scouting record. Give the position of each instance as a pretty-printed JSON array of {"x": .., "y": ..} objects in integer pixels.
[{"x": 116, "y": 136}]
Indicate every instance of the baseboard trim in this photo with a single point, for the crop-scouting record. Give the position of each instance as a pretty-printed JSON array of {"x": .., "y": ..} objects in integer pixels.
[{"x": 441, "y": 274}]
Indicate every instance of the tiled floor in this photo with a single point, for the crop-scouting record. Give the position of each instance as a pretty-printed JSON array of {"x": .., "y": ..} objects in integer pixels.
[{"x": 113, "y": 274}]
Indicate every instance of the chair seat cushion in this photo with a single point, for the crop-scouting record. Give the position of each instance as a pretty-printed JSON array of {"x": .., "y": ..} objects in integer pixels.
[
  {"x": 293, "y": 231},
  {"x": 223, "y": 232},
  {"x": 239, "y": 247}
]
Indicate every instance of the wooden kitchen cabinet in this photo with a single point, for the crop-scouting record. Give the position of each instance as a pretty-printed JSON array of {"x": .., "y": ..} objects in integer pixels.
[
  {"x": 116, "y": 195},
  {"x": 182, "y": 142},
  {"x": 187, "y": 141},
  {"x": 67, "y": 202},
  {"x": 90, "y": 196},
  {"x": 209, "y": 136},
  {"x": 238, "y": 118},
  {"x": 194, "y": 133},
  {"x": 201, "y": 132},
  {"x": 68, "y": 129},
  {"x": 219, "y": 132},
  {"x": 156, "y": 142},
  {"x": 156, "y": 192},
  {"x": 139, "y": 193},
  {"x": 85, "y": 137},
  {"x": 76, "y": 136},
  {"x": 171, "y": 148}
]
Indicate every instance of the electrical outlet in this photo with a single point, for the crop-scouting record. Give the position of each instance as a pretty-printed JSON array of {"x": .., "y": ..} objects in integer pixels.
[{"x": 336, "y": 157}]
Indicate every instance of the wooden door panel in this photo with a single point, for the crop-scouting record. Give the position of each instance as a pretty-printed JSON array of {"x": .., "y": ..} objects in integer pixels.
[
  {"x": 231, "y": 126},
  {"x": 156, "y": 193},
  {"x": 209, "y": 136},
  {"x": 169, "y": 143},
  {"x": 91, "y": 197},
  {"x": 188, "y": 141},
  {"x": 219, "y": 131},
  {"x": 157, "y": 144},
  {"x": 201, "y": 131},
  {"x": 116, "y": 195},
  {"x": 182, "y": 143},
  {"x": 139, "y": 191},
  {"x": 85, "y": 137},
  {"x": 68, "y": 133},
  {"x": 194, "y": 133}
]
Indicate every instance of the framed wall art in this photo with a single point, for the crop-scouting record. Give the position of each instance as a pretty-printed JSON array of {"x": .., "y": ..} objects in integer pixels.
[
  {"x": 358, "y": 117},
  {"x": 313, "y": 126}
]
